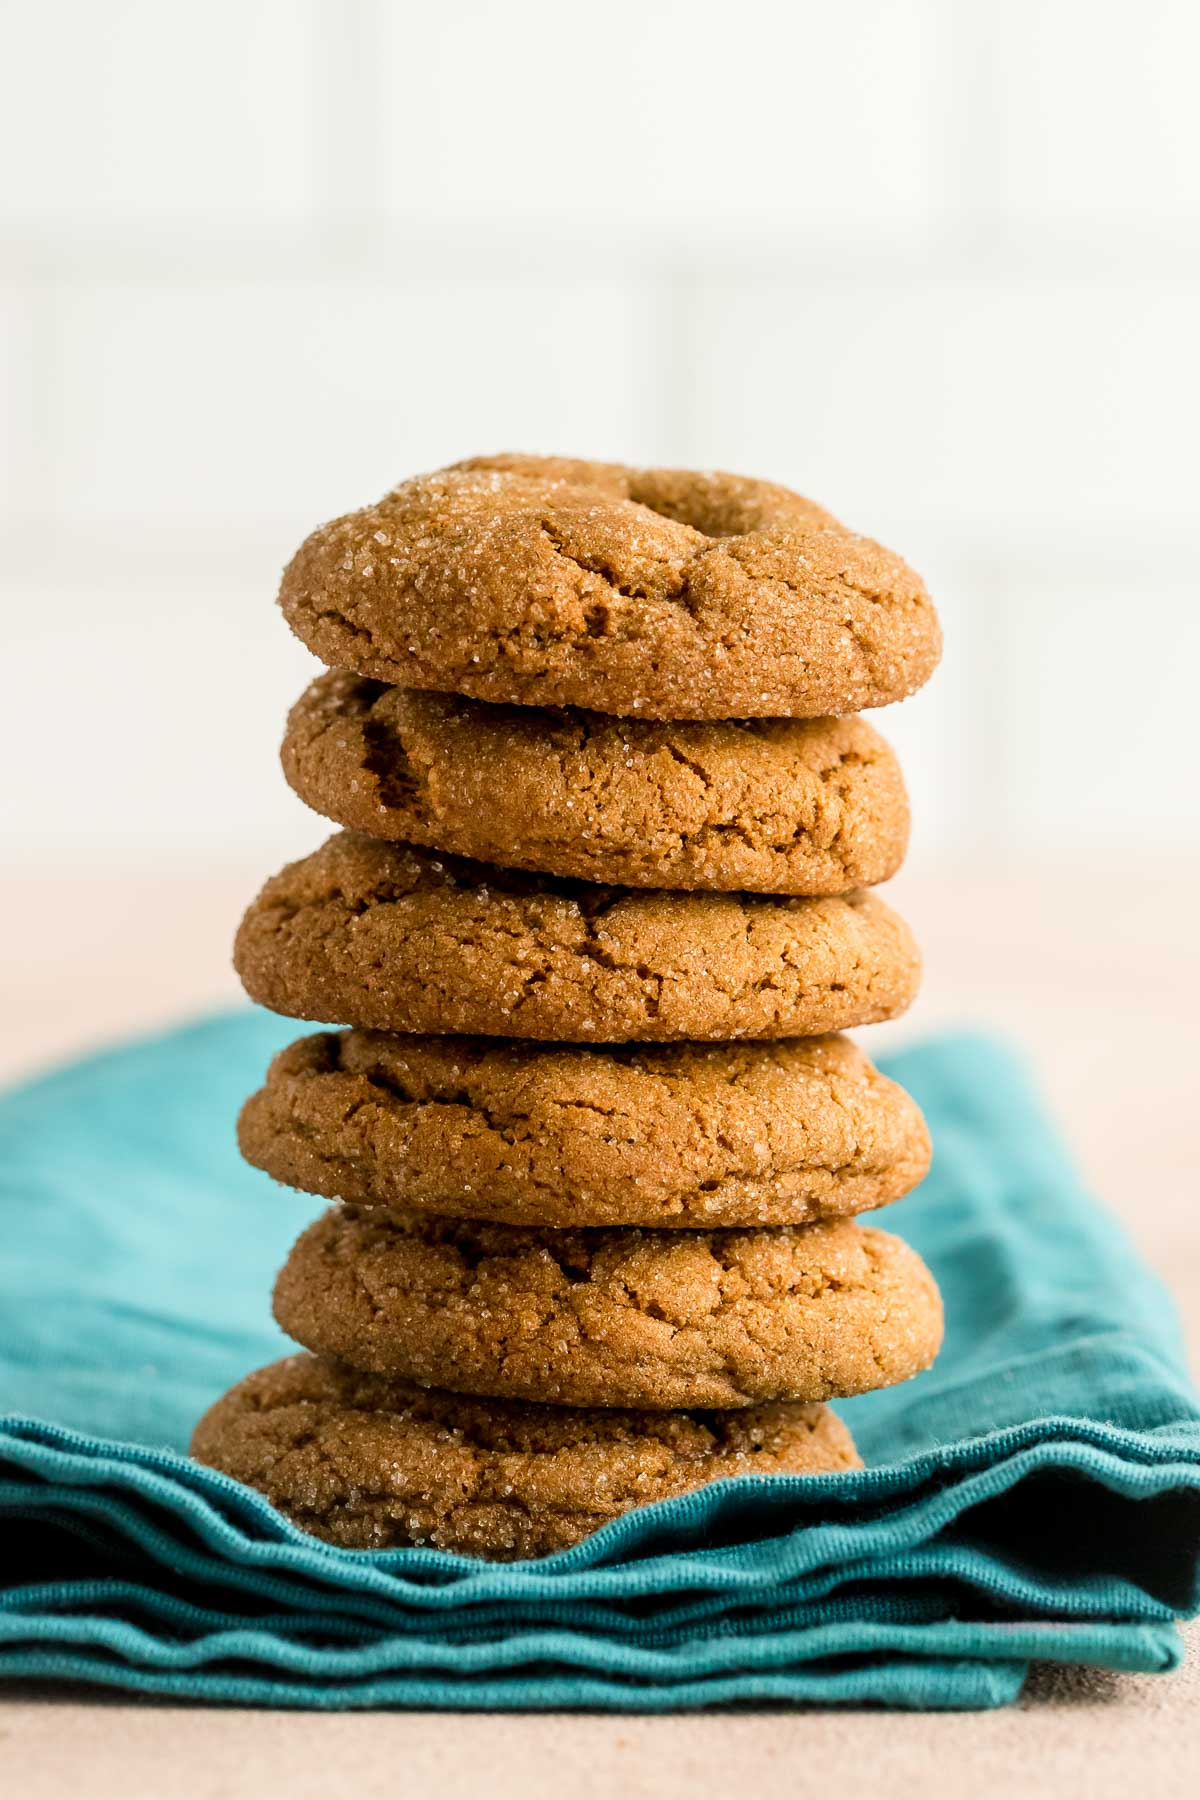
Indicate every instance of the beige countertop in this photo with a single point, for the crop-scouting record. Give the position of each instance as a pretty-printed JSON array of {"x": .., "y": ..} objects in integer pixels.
[{"x": 1101, "y": 984}]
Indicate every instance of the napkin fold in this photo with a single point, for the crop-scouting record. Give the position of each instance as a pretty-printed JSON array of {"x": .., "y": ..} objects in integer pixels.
[{"x": 1035, "y": 1496}]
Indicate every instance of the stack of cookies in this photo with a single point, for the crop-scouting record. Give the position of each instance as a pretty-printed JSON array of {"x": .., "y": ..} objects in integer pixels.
[{"x": 599, "y": 909}]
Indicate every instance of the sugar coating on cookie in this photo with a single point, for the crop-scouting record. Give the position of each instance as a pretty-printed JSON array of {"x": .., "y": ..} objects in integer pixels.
[
  {"x": 780, "y": 806},
  {"x": 775, "y": 1133},
  {"x": 370, "y": 1463},
  {"x": 397, "y": 938},
  {"x": 664, "y": 593},
  {"x": 620, "y": 1317}
]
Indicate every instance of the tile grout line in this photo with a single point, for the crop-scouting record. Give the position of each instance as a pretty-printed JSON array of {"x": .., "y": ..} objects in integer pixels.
[
  {"x": 346, "y": 142},
  {"x": 37, "y": 475}
]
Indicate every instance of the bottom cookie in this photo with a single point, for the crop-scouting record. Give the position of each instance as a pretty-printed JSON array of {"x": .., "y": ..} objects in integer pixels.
[{"x": 371, "y": 1464}]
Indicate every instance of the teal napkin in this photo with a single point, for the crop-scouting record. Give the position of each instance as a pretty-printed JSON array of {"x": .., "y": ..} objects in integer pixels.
[{"x": 1035, "y": 1496}]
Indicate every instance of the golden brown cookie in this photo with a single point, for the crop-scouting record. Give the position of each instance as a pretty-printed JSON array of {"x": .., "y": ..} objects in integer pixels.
[
  {"x": 370, "y": 1464},
  {"x": 777, "y": 806},
  {"x": 643, "y": 1134},
  {"x": 668, "y": 593},
  {"x": 621, "y": 1317},
  {"x": 399, "y": 939}
]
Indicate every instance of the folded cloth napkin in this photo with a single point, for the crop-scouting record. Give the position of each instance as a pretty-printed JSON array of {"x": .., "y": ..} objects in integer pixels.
[{"x": 1035, "y": 1496}]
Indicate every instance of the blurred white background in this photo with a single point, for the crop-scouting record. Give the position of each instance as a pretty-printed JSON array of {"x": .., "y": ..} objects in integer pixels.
[{"x": 936, "y": 263}]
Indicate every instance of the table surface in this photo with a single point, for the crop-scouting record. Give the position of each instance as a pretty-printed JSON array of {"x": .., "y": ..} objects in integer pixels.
[{"x": 1099, "y": 981}]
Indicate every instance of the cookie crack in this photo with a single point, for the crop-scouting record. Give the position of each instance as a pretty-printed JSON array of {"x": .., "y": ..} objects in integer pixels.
[{"x": 676, "y": 589}]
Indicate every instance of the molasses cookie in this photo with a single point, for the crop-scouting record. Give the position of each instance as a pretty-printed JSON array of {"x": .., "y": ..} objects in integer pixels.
[
  {"x": 664, "y": 593},
  {"x": 401, "y": 939},
  {"x": 778, "y": 806},
  {"x": 622, "y": 1317},
  {"x": 643, "y": 1134},
  {"x": 371, "y": 1464}
]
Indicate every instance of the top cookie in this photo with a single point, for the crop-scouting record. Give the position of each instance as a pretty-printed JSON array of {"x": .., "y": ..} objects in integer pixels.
[{"x": 660, "y": 593}]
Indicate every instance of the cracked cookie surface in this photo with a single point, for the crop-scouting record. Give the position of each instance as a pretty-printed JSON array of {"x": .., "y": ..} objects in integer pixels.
[
  {"x": 397, "y": 938},
  {"x": 623, "y": 1317},
  {"x": 372, "y": 1464},
  {"x": 526, "y": 1134},
  {"x": 673, "y": 594},
  {"x": 780, "y": 806}
]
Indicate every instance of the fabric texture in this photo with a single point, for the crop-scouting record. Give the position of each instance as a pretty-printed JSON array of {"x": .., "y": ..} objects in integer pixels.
[{"x": 1036, "y": 1495}]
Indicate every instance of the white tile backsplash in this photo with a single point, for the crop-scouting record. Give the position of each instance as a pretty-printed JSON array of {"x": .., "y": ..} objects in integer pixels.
[
  {"x": 149, "y": 724},
  {"x": 1093, "y": 108},
  {"x": 938, "y": 265},
  {"x": 633, "y": 119},
  {"x": 295, "y": 400},
  {"x": 1102, "y": 753},
  {"x": 135, "y": 114},
  {"x": 992, "y": 404}
]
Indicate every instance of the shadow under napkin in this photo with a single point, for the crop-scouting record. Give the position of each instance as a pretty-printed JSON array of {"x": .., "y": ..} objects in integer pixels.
[{"x": 1036, "y": 1495}]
